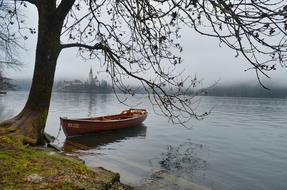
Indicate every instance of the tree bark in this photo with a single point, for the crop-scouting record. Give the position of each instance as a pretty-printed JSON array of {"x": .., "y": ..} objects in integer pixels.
[{"x": 29, "y": 124}]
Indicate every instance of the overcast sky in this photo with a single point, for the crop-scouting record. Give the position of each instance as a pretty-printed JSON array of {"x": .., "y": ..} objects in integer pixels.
[{"x": 202, "y": 56}]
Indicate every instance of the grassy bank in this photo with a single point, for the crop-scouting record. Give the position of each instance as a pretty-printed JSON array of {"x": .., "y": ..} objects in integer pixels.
[{"x": 25, "y": 167}]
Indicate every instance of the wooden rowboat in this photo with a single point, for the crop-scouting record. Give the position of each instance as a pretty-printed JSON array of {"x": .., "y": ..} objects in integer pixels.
[{"x": 81, "y": 126}]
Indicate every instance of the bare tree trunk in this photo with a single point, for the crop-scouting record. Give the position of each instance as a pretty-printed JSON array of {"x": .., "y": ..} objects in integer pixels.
[{"x": 29, "y": 124}]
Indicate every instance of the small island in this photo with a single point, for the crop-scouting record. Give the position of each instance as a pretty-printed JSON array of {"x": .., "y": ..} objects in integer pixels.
[{"x": 92, "y": 85}]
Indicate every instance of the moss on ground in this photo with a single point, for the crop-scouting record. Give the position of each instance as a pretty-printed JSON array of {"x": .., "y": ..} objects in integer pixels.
[{"x": 24, "y": 167}]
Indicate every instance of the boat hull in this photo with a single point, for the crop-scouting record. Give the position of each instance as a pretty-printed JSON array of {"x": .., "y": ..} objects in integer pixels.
[{"x": 73, "y": 127}]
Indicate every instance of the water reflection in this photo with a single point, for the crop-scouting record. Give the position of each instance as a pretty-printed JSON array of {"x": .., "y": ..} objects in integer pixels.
[
  {"x": 93, "y": 104},
  {"x": 179, "y": 165},
  {"x": 104, "y": 138},
  {"x": 183, "y": 158}
]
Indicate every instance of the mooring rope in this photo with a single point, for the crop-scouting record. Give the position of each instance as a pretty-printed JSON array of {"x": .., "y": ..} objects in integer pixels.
[{"x": 58, "y": 134}]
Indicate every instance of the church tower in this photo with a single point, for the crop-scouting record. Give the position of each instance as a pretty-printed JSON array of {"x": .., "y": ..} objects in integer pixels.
[{"x": 91, "y": 77}]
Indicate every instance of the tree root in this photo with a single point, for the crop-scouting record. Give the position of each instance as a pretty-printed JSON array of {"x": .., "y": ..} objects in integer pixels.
[
  {"x": 7, "y": 130},
  {"x": 9, "y": 122},
  {"x": 27, "y": 126},
  {"x": 24, "y": 139}
]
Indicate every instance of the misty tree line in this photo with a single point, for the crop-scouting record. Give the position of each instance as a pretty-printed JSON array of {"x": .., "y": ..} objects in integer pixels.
[
  {"x": 247, "y": 90},
  {"x": 5, "y": 83}
]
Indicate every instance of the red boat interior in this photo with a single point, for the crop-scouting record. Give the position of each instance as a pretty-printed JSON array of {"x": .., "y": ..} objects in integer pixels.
[{"x": 127, "y": 114}]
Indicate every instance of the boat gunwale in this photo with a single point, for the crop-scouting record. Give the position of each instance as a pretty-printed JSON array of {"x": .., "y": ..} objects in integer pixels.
[{"x": 87, "y": 120}]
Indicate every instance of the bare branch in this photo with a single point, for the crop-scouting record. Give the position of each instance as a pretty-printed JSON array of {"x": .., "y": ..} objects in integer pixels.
[{"x": 97, "y": 46}]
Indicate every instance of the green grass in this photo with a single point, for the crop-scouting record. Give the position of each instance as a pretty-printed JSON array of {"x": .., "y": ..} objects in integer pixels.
[{"x": 19, "y": 163}]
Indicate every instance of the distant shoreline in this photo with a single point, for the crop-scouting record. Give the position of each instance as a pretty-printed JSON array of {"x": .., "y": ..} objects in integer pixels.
[{"x": 211, "y": 94}]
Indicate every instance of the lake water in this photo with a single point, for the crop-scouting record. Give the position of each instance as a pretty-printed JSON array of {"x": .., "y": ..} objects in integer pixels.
[{"x": 241, "y": 145}]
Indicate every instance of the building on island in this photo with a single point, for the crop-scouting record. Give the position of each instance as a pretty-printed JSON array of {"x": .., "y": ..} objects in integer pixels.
[
  {"x": 93, "y": 80},
  {"x": 93, "y": 84}
]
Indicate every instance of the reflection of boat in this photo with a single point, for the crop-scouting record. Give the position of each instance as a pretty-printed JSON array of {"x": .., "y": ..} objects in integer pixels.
[
  {"x": 2, "y": 92},
  {"x": 100, "y": 139},
  {"x": 128, "y": 118}
]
